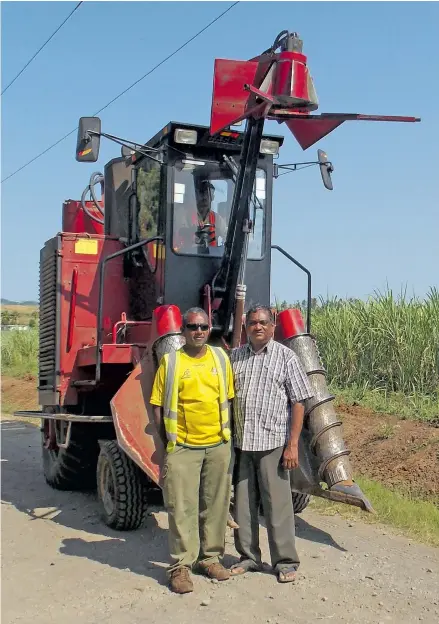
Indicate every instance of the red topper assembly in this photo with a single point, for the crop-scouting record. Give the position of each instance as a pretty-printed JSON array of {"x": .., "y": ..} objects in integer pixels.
[{"x": 277, "y": 86}]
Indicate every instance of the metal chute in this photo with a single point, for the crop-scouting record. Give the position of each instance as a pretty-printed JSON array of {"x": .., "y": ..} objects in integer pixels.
[{"x": 324, "y": 456}]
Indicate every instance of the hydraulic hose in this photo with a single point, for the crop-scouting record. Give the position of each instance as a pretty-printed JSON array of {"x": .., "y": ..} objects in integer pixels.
[{"x": 95, "y": 178}]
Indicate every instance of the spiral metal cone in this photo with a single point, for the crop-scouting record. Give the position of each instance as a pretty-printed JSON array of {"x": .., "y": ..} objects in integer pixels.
[{"x": 325, "y": 428}]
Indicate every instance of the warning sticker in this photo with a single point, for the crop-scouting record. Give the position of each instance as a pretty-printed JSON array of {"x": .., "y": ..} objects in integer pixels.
[{"x": 86, "y": 246}]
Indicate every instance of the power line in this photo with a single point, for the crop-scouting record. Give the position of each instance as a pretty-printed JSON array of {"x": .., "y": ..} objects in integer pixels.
[
  {"x": 42, "y": 47},
  {"x": 125, "y": 90}
]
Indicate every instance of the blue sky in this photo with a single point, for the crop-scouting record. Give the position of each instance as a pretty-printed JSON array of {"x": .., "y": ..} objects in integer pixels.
[{"x": 380, "y": 224}]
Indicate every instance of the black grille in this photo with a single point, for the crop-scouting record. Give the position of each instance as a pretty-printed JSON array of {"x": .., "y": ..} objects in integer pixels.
[{"x": 48, "y": 315}]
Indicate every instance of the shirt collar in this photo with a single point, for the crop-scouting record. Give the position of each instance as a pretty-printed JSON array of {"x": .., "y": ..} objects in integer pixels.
[{"x": 267, "y": 348}]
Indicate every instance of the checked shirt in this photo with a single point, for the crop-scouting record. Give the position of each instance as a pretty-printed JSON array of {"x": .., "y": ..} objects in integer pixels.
[{"x": 266, "y": 384}]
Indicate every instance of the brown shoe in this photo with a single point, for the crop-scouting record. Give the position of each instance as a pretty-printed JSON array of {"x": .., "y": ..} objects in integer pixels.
[
  {"x": 180, "y": 581},
  {"x": 215, "y": 571}
]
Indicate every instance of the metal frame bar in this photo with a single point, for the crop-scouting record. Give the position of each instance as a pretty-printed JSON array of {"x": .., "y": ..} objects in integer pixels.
[
  {"x": 132, "y": 145},
  {"x": 94, "y": 382},
  {"x": 308, "y": 273},
  {"x": 226, "y": 279},
  {"x": 61, "y": 416}
]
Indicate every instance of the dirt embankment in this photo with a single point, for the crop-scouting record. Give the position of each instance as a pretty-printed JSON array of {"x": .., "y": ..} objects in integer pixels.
[
  {"x": 397, "y": 453},
  {"x": 19, "y": 394}
]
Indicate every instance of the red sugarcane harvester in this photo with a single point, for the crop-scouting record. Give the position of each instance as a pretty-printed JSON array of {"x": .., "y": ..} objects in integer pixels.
[{"x": 184, "y": 220}]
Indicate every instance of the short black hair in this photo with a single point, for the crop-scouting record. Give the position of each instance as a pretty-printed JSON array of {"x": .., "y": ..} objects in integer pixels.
[
  {"x": 255, "y": 308},
  {"x": 194, "y": 311}
]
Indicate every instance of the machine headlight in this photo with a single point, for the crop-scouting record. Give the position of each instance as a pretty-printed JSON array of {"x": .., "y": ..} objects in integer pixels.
[
  {"x": 189, "y": 137},
  {"x": 269, "y": 147}
]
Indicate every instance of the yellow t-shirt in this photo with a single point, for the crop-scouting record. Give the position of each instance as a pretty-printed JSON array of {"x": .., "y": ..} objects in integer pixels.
[{"x": 198, "y": 416}]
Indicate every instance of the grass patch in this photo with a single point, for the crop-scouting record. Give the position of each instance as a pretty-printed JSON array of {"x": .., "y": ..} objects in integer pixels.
[
  {"x": 387, "y": 342},
  {"x": 19, "y": 352},
  {"x": 417, "y": 519},
  {"x": 414, "y": 407},
  {"x": 384, "y": 352},
  {"x": 385, "y": 432}
]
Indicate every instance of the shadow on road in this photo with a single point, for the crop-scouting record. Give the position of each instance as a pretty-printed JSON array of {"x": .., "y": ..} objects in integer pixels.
[
  {"x": 144, "y": 552},
  {"x": 309, "y": 532}
]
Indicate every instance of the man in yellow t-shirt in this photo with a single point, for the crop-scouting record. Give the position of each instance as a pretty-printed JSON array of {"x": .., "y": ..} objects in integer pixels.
[{"x": 197, "y": 471}]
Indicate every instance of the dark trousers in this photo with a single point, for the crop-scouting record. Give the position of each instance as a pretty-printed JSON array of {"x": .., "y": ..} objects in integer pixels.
[{"x": 260, "y": 477}]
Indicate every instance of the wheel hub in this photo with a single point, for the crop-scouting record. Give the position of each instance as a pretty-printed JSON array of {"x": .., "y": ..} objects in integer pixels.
[
  {"x": 106, "y": 488},
  {"x": 49, "y": 435}
]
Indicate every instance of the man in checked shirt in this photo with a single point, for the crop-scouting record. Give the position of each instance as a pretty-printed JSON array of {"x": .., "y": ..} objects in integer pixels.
[{"x": 270, "y": 387}]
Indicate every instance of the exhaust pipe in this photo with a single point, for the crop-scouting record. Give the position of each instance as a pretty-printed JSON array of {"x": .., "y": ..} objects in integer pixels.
[{"x": 329, "y": 454}]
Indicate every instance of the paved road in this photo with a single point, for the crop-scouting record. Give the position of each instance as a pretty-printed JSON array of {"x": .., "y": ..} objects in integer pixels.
[{"x": 61, "y": 564}]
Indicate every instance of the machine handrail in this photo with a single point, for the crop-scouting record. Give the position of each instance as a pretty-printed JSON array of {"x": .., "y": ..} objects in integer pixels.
[
  {"x": 121, "y": 252},
  {"x": 308, "y": 273}
]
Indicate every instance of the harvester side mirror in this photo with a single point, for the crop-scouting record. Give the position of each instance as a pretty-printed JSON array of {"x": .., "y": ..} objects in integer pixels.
[
  {"x": 89, "y": 139},
  {"x": 326, "y": 169}
]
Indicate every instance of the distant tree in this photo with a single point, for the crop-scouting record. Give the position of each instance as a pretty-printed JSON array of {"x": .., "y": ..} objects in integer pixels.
[
  {"x": 6, "y": 317},
  {"x": 13, "y": 318}
]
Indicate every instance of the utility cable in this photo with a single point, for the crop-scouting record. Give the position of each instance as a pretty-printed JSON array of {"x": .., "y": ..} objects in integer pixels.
[
  {"x": 124, "y": 91},
  {"x": 42, "y": 47}
]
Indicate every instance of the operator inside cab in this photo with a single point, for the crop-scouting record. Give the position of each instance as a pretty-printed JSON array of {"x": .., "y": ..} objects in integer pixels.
[{"x": 200, "y": 229}]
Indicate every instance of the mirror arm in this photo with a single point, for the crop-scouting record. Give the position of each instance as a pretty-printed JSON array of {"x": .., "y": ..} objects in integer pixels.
[
  {"x": 141, "y": 149},
  {"x": 297, "y": 166}
]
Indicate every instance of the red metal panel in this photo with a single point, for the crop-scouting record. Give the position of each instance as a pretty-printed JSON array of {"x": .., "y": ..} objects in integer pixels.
[
  {"x": 111, "y": 354},
  {"x": 134, "y": 420},
  {"x": 229, "y": 99},
  {"x": 83, "y": 254},
  {"x": 309, "y": 131},
  {"x": 75, "y": 220}
]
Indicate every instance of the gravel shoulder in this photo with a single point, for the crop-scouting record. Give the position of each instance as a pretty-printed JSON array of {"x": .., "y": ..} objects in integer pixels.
[{"x": 60, "y": 561}]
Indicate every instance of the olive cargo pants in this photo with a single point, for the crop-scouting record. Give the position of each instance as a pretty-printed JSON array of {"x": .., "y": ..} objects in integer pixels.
[{"x": 196, "y": 491}]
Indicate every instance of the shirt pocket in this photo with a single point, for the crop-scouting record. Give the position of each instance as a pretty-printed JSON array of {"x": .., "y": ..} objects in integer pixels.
[{"x": 273, "y": 376}]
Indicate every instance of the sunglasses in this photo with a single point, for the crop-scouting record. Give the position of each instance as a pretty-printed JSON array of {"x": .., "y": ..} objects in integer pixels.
[{"x": 194, "y": 326}]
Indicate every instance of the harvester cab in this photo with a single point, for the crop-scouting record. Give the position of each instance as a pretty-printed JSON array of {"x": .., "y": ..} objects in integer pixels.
[
  {"x": 185, "y": 220},
  {"x": 180, "y": 187}
]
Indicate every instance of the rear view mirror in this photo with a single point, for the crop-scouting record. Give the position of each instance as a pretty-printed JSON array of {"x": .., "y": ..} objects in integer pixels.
[
  {"x": 326, "y": 169},
  {"x": 89, "y": 139}
]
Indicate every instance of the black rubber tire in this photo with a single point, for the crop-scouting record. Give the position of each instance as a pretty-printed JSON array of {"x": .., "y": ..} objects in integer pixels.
[
  {"x": 129, "y": 504},
  {"x": 73, "y": 468},
  {"x": 300, "y": 501}
]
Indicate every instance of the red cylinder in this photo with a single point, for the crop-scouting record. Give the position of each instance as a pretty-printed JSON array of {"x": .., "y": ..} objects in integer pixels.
[
  {"x": 290, "y": 323},
  {"x": 292, "y": 82},
  {"x": 166, "y": 319}
]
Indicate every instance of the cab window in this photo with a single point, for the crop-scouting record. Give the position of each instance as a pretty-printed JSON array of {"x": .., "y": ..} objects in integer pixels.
[
  {"x": 202, "y": 201},
  {"x": 148, "y": 195}
]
